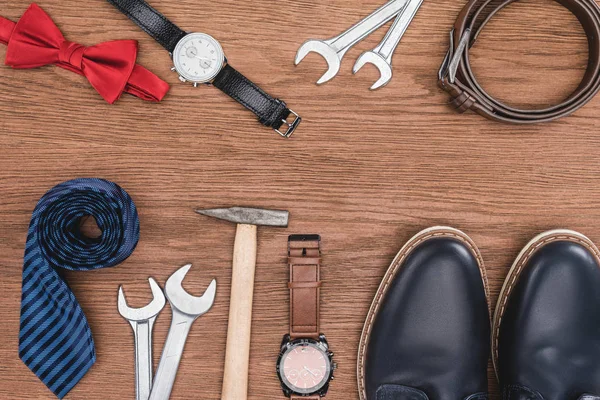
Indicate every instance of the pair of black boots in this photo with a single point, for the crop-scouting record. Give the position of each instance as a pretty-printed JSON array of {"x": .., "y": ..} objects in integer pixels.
[{"x": 427, "y": 335}]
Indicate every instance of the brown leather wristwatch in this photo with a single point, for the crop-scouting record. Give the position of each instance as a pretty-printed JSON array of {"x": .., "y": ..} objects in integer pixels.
[{"x": 305, "y": 365}]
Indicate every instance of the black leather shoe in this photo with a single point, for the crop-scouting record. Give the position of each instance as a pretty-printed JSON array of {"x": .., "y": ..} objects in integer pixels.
[
  {"x": 546, "y": 334},
  {"x": 427, "y": 334}
]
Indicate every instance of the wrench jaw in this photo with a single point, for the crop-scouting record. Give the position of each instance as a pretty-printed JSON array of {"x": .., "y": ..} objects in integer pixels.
[
  {"x": 142, "y": 322},
  {"x": 145, "y": 313},
  {"x": 185, "y": 303},
  {"x": 385, "y": 69},
  {"x": 333, "y": 58}
]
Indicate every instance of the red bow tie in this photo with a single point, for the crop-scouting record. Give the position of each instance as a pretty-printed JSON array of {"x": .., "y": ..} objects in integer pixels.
[{"x": 110, "y": 67}]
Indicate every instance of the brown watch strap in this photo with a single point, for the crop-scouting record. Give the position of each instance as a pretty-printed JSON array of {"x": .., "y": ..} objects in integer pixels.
[
  {"x": 457, "y": 78},
  {"x": 304, "y": 258}
]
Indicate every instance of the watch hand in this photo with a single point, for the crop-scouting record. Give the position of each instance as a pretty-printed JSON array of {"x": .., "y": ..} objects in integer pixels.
[
  {"x": 306, "y": 368},
  {"x": 204, "y": 62}
]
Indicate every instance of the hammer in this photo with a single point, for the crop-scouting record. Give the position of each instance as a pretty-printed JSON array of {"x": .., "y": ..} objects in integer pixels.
[{"x": 237, "y": 353}]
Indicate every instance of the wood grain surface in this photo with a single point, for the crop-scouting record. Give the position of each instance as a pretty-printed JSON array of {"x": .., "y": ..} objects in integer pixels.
[{"x": 366, "y": 170}]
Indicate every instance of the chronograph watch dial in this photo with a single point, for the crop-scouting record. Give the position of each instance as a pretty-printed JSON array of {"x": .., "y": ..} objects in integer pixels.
[
  {"x": 305, "y": 365},
  {"x": 199, "y": 59}
]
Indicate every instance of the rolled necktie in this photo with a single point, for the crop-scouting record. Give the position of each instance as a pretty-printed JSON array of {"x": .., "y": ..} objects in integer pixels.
[
  {"x": 110, "y": 67},
  {"x": 55, "y": 340}
]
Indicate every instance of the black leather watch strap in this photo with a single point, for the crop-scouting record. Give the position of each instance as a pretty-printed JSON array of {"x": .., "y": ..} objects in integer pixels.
[
  {"x": 271, "y": 112},
  {"x": 151, "y": 21}
]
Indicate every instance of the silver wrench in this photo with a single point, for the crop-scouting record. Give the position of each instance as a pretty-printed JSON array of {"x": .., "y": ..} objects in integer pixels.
[
  {"x": 381, "y": 56},
  {"x": 186, "y": 309},
  {"x": 142, "y": 321},
  {"x": 333, "y": 50}
]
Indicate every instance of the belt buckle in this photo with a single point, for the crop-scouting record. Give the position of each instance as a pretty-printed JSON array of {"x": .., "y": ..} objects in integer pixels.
[
  {"x": 443, "y": 71},
  {"x": 291, "y": 126},
  {"x": 452, "y": 58}
]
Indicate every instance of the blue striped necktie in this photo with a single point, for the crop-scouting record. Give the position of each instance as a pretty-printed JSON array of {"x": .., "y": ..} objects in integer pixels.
[{"x": 55, "y": 340}]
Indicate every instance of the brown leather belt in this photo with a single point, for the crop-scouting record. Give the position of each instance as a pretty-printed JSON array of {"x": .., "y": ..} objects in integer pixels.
[{"x": 456, "y": 77}]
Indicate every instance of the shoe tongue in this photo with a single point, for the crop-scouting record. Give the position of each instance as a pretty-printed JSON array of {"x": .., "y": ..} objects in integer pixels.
[{"x": 399, "y": 392}]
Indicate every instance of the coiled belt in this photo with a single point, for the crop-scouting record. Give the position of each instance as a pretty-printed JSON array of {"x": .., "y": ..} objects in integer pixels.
[{"x": 456, "y": 77}]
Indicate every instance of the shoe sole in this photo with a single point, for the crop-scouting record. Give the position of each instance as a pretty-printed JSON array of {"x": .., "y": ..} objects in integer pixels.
[
  {"x": 515, "y": 271},
  {"x": 430, "y": 233}
]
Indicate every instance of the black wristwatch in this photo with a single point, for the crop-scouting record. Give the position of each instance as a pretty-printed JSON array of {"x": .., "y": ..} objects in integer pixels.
[{"x": 199, "y": 59}]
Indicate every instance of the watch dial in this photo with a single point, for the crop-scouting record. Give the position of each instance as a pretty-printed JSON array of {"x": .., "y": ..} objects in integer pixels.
[
  {"x": 305, "y": 368},
  {"x": 198, "y": 57}
]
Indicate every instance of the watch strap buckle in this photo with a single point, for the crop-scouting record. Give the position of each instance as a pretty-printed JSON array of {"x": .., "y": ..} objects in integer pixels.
[{"x": 291, "y": 126}]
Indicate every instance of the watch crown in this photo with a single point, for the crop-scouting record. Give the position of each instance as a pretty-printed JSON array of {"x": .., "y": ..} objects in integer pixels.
[
  {"x": 181, "y": 78},
  {"x": 195, "y": 84},
  {"x": 173, "y": 69},
  {"x": 335, "y": 366}
]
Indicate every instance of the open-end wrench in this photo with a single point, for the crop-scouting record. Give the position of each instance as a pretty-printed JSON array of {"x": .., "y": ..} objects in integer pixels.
[
  {"x": 333, "y": 50},
  {"x": 381, "y": 56},
  {"x": 186, "y": 309},
  {"x": 142, "y": 322}
]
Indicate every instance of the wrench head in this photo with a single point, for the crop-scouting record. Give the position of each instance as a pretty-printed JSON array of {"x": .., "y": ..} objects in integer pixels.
[
  {"x": 184, "y": 302},
  {"x": 327, "y": 52},
  {"x": 145, "y": 313},
  {"x": 385, "y": 69}
]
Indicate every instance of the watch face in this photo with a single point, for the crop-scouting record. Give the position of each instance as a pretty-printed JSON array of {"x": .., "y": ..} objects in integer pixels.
[
  {"x": 198, "y": 57},
  {"x": 305, "y": 368}
]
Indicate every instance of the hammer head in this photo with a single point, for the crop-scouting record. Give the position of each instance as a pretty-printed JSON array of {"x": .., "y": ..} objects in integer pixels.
[{"x": 249, "y": 216}]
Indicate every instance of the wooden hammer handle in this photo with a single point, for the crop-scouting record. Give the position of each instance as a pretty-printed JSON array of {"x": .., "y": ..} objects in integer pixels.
[{"x": 237, "y": 353}]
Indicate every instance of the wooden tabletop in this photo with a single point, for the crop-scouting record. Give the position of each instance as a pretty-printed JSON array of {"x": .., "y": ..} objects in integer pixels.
[{"x": 366, "y": 170}]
